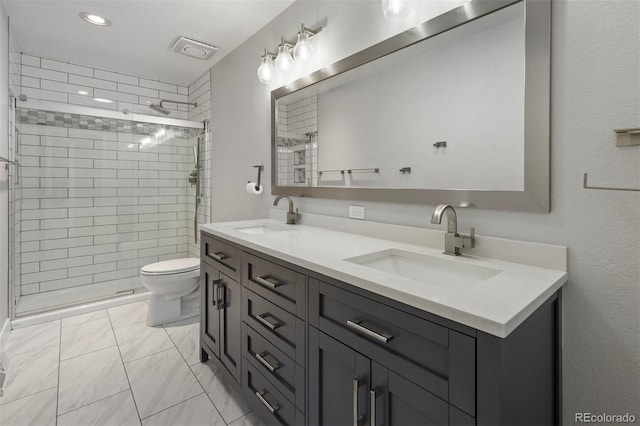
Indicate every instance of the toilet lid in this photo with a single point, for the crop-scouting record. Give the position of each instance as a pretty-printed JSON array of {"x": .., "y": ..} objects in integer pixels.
[{"x": 173, "y": 266}]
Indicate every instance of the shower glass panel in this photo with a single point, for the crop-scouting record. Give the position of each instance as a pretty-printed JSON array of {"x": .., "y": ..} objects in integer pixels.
[{"x": 99, "y": 198}]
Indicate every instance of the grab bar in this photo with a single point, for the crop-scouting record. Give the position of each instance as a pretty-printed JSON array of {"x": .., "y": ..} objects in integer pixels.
[
  {"x": 331, "y": 171},
  {"x": 370, "y": 170}
]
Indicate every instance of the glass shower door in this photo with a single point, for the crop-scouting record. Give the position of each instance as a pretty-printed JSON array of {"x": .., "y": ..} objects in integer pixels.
[{"x": 101, "y": 197}]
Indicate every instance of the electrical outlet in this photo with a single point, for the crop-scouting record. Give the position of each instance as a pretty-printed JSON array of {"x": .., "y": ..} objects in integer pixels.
[{"x": 356, "y": 212}]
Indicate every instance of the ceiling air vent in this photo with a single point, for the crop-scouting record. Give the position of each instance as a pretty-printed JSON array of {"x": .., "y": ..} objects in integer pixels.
[{"x": 193, "y": 48}]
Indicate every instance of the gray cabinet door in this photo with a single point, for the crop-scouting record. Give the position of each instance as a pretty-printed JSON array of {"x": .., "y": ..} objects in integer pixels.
[
  {"x": 230, "y": 325},
  {"x": 395, "y": 401},
  {"x": 339, "y": 382},
  {"x": 209, "y": 314}
]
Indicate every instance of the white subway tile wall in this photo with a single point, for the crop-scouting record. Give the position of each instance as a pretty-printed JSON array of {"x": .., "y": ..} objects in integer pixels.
[
  {"x": 59, "y": 81},
  {"x": 297, "y": 122},
  {"x": 98, "y": 205}
]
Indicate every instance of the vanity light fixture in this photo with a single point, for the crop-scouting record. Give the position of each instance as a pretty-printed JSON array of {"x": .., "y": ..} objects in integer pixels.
[
  {"x": 94, "y": 19},
  {"x": 395, "y": 9},
  {"x": 303, "y": 48},
  {"x": 284, "y": 60},
  {"x": 266, "y": 70}
]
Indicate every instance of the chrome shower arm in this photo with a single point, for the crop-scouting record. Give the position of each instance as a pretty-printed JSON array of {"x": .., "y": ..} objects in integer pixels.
[{"x": 195, "y": 104}]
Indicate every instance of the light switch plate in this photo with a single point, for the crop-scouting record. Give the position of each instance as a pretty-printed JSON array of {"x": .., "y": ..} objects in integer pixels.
[{"x": 356, "y": 212}]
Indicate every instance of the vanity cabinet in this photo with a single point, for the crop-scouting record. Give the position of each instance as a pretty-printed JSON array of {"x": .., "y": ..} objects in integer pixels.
[{"x": 306, "y": 349}]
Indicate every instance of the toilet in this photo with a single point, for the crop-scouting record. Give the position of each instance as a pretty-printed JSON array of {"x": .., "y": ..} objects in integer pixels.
[{"x": 174, "y": 289}]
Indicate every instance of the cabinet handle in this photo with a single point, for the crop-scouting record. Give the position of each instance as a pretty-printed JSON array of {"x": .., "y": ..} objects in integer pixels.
[
  {"x": 219, "y": 256},
  {"x": 220, "y": 294},
  {"x": 266, "y": 322},
  {"x": 357, "y": 418},
  {"x": 267, "y": 282},
  {"x": 271, "y": 367},
  {"x": 272, "y": 408},
  {"x": 215, "y": 283},
  {"x": 373, "y": 394},
  {"x": 356, "y": 325}
]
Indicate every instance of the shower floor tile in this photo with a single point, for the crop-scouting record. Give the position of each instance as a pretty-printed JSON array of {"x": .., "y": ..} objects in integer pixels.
[{"x": 114, "y": 370}]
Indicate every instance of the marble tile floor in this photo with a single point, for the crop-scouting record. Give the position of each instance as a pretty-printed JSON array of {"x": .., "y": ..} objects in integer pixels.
[{"x": 109, "y": 368}]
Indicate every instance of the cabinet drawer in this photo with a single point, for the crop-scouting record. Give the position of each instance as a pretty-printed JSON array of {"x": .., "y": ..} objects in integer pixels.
[
  {"x": 269, "y": 402},
  {"x": 280, "y": 285},
  {"x": 281, "y": 370},
  {"x": 220, "y": 255},
  {"x": 442, "y": 361},
  {"x": 278, "y": 326}
]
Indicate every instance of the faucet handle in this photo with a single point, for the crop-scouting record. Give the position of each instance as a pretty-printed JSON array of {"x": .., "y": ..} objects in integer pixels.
[{"x": 469, "y": 241}]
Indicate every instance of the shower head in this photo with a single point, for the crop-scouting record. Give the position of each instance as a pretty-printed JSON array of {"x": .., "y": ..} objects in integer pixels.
[{"x": 159, "y": 109}]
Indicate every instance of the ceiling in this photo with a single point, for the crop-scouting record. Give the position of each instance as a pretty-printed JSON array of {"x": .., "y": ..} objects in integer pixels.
[{"x": 139, "y": 41}]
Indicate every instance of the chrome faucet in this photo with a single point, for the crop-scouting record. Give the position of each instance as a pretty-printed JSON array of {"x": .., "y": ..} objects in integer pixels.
[
  {"x": 453, "y": 241},
  {"x": 292, "y": 216}
]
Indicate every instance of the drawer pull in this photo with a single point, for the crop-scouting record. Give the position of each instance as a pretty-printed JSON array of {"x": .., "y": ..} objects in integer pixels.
[
  {"x": 220, "y": 256},
  {"x": 271, "y": 367},
  {"x": 266, "y": 322},
  {"x": 272, "y": 408},
  {"x": 355, "y": 324},
  {"x": 358, "y": 420},
  {"x": 268, "y": 282}
]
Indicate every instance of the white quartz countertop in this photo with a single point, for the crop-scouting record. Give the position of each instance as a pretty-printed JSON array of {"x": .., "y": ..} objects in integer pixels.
[{"x": 496, "y": 305}]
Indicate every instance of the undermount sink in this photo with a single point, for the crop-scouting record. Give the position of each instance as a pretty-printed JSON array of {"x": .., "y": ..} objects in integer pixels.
[
  {"x": 433, "y": 270},
  {"x": 262, "y": 229}
]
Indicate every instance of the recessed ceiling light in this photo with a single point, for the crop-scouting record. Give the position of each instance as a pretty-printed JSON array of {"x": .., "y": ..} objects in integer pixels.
[
  {"x": 95, "y": 19},
  {"x": 83, "y": 92},
  {"x": 103, "y": 100}
]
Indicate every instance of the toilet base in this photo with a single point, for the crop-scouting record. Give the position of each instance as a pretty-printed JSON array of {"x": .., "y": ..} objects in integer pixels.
[{"x": 163, "y": 311}]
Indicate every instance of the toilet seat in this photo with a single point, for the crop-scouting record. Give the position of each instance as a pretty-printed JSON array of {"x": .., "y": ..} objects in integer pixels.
[{"x": 171, "y": 267}]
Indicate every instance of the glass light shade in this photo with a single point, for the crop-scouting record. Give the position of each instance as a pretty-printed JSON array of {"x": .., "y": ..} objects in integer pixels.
[
  {"x": 266, "y": 70},
  {"x": 284, "y": 61},
  {"x": 395, "y": 9},
  {"x": 303, "y": 48}
]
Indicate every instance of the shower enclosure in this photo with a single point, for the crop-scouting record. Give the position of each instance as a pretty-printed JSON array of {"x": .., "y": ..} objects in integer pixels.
[{"x": 96, "y": 195}]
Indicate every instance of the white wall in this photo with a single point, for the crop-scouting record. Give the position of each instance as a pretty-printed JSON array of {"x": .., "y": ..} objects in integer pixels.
[
  {"x": 595, "y": 89},
  {"x": 4, "y": 151}
]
